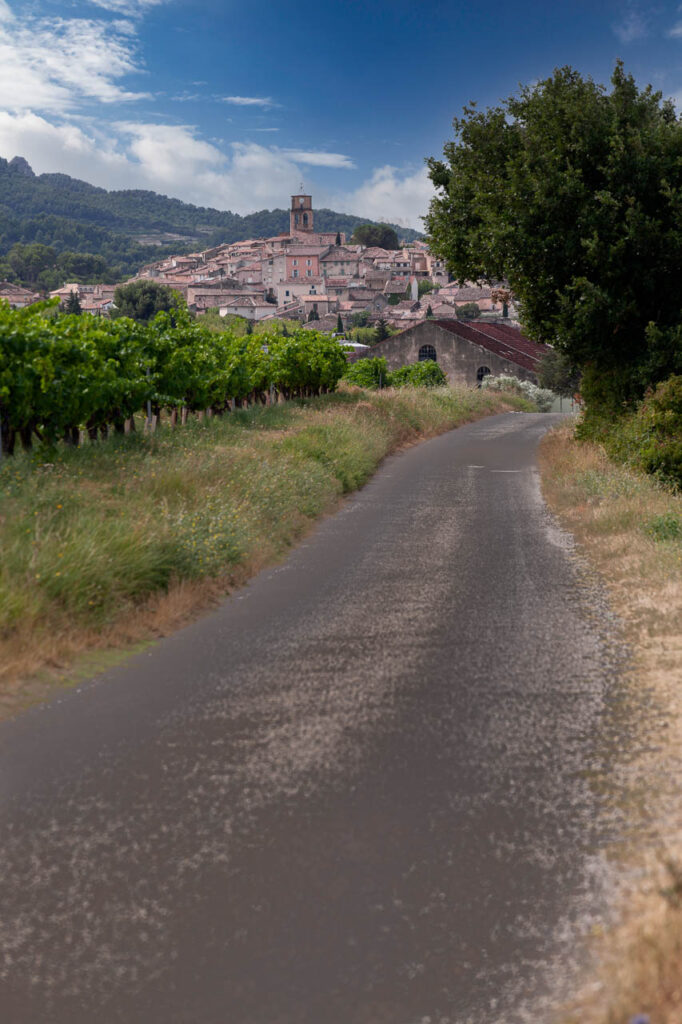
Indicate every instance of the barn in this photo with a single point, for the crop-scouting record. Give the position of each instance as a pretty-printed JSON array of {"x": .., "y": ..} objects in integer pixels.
[{"x": 465, "y": 350}]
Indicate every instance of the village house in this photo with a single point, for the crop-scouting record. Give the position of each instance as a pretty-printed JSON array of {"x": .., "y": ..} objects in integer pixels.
[{"x": 466, "y": 351}]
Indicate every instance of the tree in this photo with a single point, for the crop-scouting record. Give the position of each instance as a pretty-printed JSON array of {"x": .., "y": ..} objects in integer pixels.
[
  {"x": 338, "y": 238},
  {"x": 339, "y": 324},
  {"x": 380, "y": 235},
  {"x": 468, "y": 311},
  {"x": 73, "y": 304},
  {"x": 360, "y": 319},
  {"x": 313, "y": 315},
  {"x": 142, "y": 300},
  {"x": 249, "y": 327},
  {"x": 429, "y": 312},
  {"x": 424, "y": 286},
  {"x": 557, "y": 374},
  {"x": 381, "y": 330},
  {"x": 571, "y": 194}
]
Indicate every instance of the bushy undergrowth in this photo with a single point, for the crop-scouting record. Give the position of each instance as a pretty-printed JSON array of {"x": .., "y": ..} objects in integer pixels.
[
  {"x": 374, "y": 373},
  {"x": 100, "y": 528},
  {"x": 541, "y": 398},
  {"x": 648, "y": 439}
]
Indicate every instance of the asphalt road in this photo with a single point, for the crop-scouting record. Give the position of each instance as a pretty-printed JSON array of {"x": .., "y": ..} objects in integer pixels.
[{"x": 361, "y": 792}]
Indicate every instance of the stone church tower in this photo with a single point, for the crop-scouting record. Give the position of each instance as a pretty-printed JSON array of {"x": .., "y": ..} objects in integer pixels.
[{"x": 301, "y": 215}]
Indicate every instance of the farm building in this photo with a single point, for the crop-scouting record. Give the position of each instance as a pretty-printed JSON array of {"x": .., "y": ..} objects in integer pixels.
[{"x": 465, "y": 351}]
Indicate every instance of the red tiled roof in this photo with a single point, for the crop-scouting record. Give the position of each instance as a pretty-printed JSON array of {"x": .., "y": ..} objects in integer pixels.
[{"x": 507, "y": 342}]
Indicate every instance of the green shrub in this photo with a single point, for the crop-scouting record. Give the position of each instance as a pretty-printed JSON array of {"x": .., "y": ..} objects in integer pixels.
[
  {"x": 651, "y": 437},
  {"x": 367, "y": 373},
  {"x": 419, "y": 375},
  {"x": 664, "y": 527}
]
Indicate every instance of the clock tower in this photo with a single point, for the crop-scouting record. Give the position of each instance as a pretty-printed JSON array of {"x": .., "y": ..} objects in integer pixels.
[{"x": 301, "y": 215}]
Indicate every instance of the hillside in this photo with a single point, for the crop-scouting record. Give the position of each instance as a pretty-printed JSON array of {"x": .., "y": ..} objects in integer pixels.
[{"x": 128, "y": 227}]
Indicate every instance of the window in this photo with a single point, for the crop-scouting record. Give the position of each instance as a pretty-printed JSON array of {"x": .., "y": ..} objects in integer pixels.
[
  {"x": 308, "y": 263},
  {"x": 427, "y": 352},
  {"x": 295, "y": 273},
  {"x": 295, "y": 263},
  {"x": 308, "y": 273},
  {"x": 481, "y": 372},
  {"x": 305, "y": 220}
]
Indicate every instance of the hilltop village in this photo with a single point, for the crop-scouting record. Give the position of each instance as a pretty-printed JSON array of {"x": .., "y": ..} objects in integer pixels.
[{"x": 303, "y": 275}]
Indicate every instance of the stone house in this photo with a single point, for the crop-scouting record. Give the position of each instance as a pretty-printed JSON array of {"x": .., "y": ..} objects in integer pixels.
[{"x": 465, "y": 351}]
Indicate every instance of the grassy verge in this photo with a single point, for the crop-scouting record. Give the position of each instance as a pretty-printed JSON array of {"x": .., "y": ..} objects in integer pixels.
[
  {"x": 630, "y": 527},
  {"x": 110, "y": 544}
]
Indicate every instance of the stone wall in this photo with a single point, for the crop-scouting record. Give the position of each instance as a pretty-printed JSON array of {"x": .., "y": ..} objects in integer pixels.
[{"x": 459, "y": 358}]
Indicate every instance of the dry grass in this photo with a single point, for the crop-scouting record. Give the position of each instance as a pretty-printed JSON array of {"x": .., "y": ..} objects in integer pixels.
[
  {"x": 117, "y": 543},
  {"x": 629, "y": 528}
]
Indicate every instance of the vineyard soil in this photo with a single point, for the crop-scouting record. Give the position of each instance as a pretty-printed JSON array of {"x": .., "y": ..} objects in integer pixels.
[{"x": 117, "y": 542}]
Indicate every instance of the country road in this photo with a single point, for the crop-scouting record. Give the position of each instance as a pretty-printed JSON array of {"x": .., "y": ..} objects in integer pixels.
[{"x": 373, "y": 787}]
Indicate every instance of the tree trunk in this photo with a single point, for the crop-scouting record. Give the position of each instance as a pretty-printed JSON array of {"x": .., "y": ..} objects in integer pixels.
[{"x": 26, "y": 435}]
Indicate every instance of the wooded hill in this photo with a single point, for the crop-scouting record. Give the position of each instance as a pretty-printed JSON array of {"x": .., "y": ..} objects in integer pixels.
[{"x": 125, "y": 226}]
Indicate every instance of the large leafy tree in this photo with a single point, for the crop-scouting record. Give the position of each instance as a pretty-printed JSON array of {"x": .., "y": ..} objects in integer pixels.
[
  {"x": 142, "y": 300},
  {"x": 573, "y": 193},
  {"x": 382, "y": 235}
]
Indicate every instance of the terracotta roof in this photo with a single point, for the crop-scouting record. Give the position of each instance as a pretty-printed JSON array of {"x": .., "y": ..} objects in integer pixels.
[{"x": 506, "y": 342}]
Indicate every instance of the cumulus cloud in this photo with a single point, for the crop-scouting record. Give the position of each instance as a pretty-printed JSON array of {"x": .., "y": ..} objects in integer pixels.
[
  {"x": 56, "y": 63},
  {"x": 676, "y": 31},
  {"x": 391, "y": 194}
]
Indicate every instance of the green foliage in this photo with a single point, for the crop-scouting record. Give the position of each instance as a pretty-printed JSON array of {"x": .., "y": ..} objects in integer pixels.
[
  {"x": 313, "y": 315},
  {"x": 665, "y": 527},
  {"x": 427, "y": 374},
  {"x": 381, "y": 235},
  {"x": 360, "y": 319},
  {"x": 339, "y": 324},
  {"x": 143, "y": 299},
  {"x": 363, "y": 335},
  {"x": 425, "y": 287},
  {"x": 368, "y": 373},
  {"x": 429, "y": 312},
  {"x": 73, "y": 304},
  {"x": 381, "y": 330},
  {"x": 557, "y": 374},
  {"x": 650, "y": 439},
  {"x": 468, "y": 311},
  {"x": 571, "y": 193},
  {"x": 60, "y": 374}
]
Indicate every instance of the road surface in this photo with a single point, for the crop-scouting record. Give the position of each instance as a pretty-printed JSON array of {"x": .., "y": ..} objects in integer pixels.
[{"x": 371, "y": 788}]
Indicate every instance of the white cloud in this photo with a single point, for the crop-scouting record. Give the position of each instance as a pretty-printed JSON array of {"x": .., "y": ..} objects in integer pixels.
[
  {"x": 632, "y": 25},
  {"x": 676, "y": 31},
  {"x": 131, "y": 8},
  {"x": 401, "y": 197},
  {"x": 55, "y": 64},
  {"x": 249, "y": 101},
  {"x": 315, "y": 159}
]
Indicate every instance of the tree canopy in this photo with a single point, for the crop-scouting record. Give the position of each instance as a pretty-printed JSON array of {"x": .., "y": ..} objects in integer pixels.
[
  {"x": 381, "y": 235},
  {"x": 573, "y": 193},
  {"x": 142, "y": 300}
]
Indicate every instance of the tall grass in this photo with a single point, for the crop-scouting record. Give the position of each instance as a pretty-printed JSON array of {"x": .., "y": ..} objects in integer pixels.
[
  {"x": 93, "y": 537},
  {"x": 630, "y": 526}
]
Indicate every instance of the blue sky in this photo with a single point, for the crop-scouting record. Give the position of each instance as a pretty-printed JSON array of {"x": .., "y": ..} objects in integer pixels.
[{"x": 234, "y": 104}]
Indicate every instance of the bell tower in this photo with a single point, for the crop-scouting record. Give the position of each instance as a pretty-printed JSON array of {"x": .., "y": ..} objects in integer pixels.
[{"x": 301, "y": 215}]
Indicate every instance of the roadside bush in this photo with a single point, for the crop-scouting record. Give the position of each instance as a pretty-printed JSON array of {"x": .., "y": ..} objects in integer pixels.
[
  {"x": 540, "y": 397},
  {"x": 651, "y": 437},
  {"x": 419, "y": 375},
  {"x": 367, "y": 373}
]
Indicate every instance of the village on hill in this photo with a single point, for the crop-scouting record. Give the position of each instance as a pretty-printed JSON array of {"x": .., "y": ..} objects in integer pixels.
[{"x": 303, "y": 275}]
